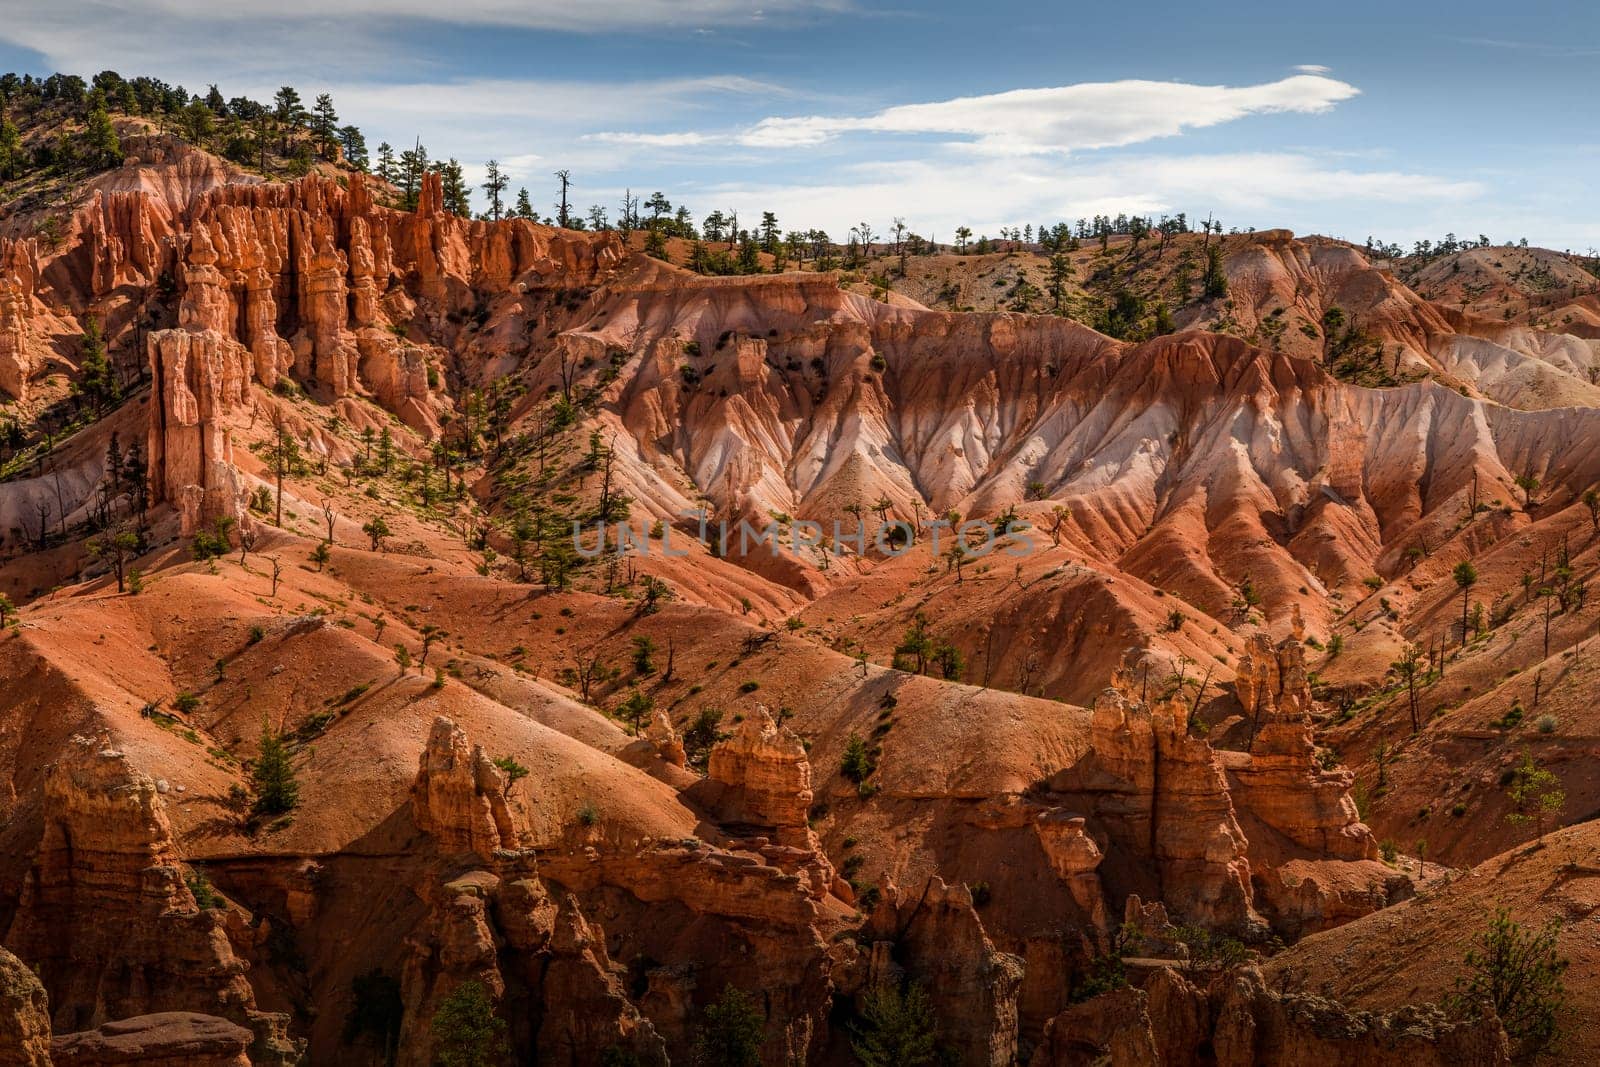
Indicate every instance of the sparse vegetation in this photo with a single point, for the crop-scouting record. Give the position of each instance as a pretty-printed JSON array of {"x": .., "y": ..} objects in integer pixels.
[{"x": 1519, "y": 973}]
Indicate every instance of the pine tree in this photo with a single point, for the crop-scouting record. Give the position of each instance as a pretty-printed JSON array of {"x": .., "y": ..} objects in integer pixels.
[
  {"x": 494, "y": 184},
  {"x": 1519, "y": 973},
  {"x": 97, "y": 379},
  {"x": 524, "y": 208},
  {"x": 386, "y": 165},
  {"x": 897, "y": 1029},
  {"x": 457, "y": 200},
  {"x": 287, "y": 106},
  {"x": 354, "y": 146},
  {"x": 100, "y": 145},
  {"x": 12, "y": 157},
  {"x": 272, "y": 777},
  {"x": 466, "y": 1030},
  {"x": 324, "y": 119},
  {"x": 413, "y": 165},
  {"x": 733, "y": 1030}
]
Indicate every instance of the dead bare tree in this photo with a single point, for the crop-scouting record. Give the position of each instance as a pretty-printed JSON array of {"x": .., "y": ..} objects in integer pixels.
[{"x": 329, "y": 517}]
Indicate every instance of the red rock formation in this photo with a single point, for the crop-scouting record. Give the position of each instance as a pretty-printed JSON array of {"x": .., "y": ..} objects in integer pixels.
[
  {"x": 459, "y": 795},
  {"x": 1075, "y": 858},
  {"x": 106, "y": 916},
  {"x": 767, "y": 775},
  {"x": 1237, "y": 1021},
  {"x": 201, "y": 394},
  {"x": 1281, "y": 783},
  {"x": 941, "y": 942},
  {"x": 19, "y": 276},
  {"x": 167, "y": 1039},
  {"x": 24, "y": 1016},
  {"x": 586, "y": 1008},
  {"x": 759, "y": 779},
  {"x": 1162, "y": 793}
]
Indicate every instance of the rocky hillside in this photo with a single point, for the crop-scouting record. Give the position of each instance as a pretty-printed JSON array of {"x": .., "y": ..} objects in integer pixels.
[{"x": 324, "y": 738}]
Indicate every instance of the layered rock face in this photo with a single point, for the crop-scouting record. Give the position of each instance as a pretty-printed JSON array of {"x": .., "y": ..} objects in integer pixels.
[
  {"x": 765, "y": 780},
  {"x": 202, "y": 395},
  {"x": 1315, "y": 863},
  {"x": 19, "y": 274},
  {"x": 1280, "y": 784},
  {"x": 1229, "y": 835},
  {"x": 524, "y": 926},
  {"x": 1161, "y": 793},
  {"x": 972, "y": 985},
  {"x": 106, "y": 916}
]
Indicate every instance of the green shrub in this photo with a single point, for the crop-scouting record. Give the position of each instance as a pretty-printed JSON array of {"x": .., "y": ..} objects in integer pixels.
[
  {"x": 897, "y": 1028},
  {"x": 857, "y": 764},
  {"x": 1519, "y": 973},
  {"x": 466, "y": 1030}
]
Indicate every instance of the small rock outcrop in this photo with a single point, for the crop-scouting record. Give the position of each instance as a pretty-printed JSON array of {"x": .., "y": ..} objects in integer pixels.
[
  {"x": 24, "y": 1016},
  {"x": 459, "y": 796},
  {"x": 766, "y": 773},
  {"x": 1281, "y": 783},
  {"x": 936, "y": 938},
  {"x": 1238, "y": 1021},
  {"x": 167, "y": 1039},
  {"x": 1075, "y": 858},
  {"x": 759, "y": 780},
  {"x": 586, "y": 1007}
]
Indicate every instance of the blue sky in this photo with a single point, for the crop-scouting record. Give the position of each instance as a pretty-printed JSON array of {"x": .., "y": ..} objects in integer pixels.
[{"x": 1401, "y": 120}]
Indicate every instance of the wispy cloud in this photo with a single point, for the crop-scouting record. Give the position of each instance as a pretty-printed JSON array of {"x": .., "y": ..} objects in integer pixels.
[
  {"x": 1068, "y": 118},
  {"x": 1544, "y": 48},
  {"x": 195, "y": 39}
]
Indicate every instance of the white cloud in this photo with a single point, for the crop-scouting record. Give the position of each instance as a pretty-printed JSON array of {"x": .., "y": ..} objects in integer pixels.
[
  {"x": 1313, "y": 68},
  {"x": 1068, "y": 118},
  {"x": 526, "y": 124}
]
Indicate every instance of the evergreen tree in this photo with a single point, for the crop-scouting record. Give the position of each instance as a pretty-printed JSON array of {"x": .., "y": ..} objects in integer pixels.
[
  {"x": 733, "y": 1030},
  {"x": 494, "y": 184},
  {"x": 749, "y": 261},
  {"x": 100, "y": 145},
  {"x": 1216, "y": 279},
  {"x": 524, "y": 208},
  {"x": 466, "y": 1030},
  {"x": 272, "y": 777},
  {"x": 287, "y": 106},
  {"x": 355, "y": 147},
  {"x": 457, "y": 200},
  {"x": 12, "y": 157},
  {"x": 324, "y": 119},
  {"x": 896, "y": 1030},
  {"x": 97, "y": 380},
  {"x": 413, "y": 165},
  {"x": 1519, "y": 973},
  {"x": 387, "y": 170}
]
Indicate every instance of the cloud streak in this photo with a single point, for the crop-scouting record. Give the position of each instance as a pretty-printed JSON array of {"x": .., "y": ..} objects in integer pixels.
[{"x": 1086, "y": 116}]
